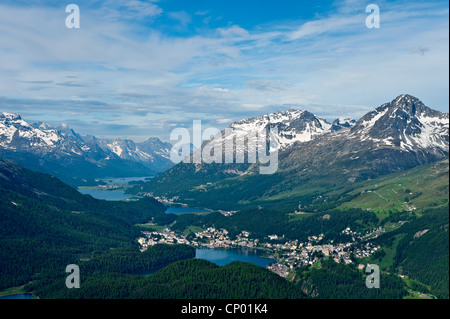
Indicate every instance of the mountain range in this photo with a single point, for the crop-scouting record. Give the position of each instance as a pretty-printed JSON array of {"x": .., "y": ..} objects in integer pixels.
[
  {"x": 294, "y": 126},
  {"x": 75, "y": 159},
  {"x": 315, "y": 157},
  {"x": 396, "y": 136}
]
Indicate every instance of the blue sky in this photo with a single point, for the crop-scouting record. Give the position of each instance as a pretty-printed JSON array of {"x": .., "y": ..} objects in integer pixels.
[{"x": 139, "y": 68}]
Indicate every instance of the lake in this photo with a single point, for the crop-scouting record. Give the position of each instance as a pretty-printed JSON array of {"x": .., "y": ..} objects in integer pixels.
[
  {"x": 223, "y": 257},
  {"x": 184, "y": 210},
  {"x": 126, "y": 180},
  {"x": 18, "y": 296},
  {"x": 119, "y": 194},
  {"x": 106, "y": 195},
  {"x": 113, "y": 194}
]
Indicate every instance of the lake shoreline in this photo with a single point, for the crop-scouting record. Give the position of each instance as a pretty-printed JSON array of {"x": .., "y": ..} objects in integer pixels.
[{"x": 224, "y": 256}]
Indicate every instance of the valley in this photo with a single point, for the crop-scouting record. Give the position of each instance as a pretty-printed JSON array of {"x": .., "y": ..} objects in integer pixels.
[
  {"x": 191, "y": 157},
  {"x": 346, "y": 194}
]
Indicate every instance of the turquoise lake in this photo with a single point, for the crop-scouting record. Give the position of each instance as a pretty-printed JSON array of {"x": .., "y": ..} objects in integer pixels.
[
  {"x": 184, "y": 210},
  {"x": 114, "y": 195},
  {"x": 18, "y": 296},
  {"x": 223, "y": 257},
  {"x": 106, "y": 195}
]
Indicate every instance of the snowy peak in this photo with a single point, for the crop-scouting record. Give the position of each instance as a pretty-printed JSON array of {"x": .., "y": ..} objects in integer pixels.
[
  {"x": 277, "y": 117},
  {"x": 409, "y": 104},
  {"x": 292, "y": 118},
  {"x": 123, "y": 148},
  {"x": 413, "y": 107},
  {"x": 152, "y": 152},
  {"x": 406, "y": 123},
  {"x": 17, "y": 133},
  {"x": 10, "y": 116},
  {"x": 404, "y": 106},
  {"x": 156, "y": 146},
  {"x": 293, "y": 126}
]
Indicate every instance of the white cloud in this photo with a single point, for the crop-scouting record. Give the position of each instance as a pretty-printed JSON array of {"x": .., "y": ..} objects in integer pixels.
[
  {"x": 317, "y": 27},
  {"x": 127, "y": 73},
  {"x": 143, "y": 9},
  {"x": 221, "y": 90},
  {"x": 233, "y": 31},
  {"x": 129, "y": 10},
  {"x": 182, "y": 17},
  {"x": 224, "y": 121}
]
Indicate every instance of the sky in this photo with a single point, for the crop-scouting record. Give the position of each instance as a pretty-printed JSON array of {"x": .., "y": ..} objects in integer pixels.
[{"x": 140, "y": 68}]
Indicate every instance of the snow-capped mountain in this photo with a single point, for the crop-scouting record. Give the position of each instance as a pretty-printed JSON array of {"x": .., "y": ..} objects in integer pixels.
[
  {"x": 63, "y": 152},
  {"x": 16, "y": 134},
  {"x": 405, "y": 123},
  {"x": 287, "y": 128},
  {"x": 396, "y": 136},
  {"x": 293, "y": 126},
  {"x": 153, "y": 152}
]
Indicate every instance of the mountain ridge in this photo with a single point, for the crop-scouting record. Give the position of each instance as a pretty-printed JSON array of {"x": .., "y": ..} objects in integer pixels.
[{"x": 334, "y": 160}]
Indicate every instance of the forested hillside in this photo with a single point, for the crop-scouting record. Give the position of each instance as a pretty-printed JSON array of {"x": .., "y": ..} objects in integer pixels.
[
  {"x": 189, "y": 279},
  {"x": 46, "y": 225},
  {"x": 421, "y": 249}
]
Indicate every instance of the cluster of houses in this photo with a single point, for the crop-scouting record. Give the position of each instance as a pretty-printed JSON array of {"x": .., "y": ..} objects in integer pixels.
[
  {"x": 366, "y": 250},
  {"x": 228, "y": 213},
  {"x": 280, "y": 269},
  {"x": 294, "y": 253},
  {"x": 165, "y": 200},
  {"x": 209, "y": 238},
  {"x": 165, "y": 237},
  {"x": 218, "y": 238}
]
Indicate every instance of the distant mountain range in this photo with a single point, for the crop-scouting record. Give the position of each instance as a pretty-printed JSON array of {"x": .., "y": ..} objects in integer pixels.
[
  {"x": 398, "y": 135},
  {"x": 77, "y": 159},
  {"x": 315, "y": 157}
]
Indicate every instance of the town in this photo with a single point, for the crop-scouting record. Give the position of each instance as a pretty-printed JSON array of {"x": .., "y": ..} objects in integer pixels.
[{"x": 288, "y": 254}]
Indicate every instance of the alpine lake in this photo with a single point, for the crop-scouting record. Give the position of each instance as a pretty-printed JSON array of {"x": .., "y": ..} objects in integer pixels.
[{"x": 114, "y": 190}]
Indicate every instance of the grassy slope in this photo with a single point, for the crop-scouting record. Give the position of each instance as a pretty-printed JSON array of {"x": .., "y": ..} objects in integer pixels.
[{"x": 423, "y": 186}]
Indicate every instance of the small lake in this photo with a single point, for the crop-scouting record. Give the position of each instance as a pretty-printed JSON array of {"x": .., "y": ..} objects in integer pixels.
[
  {"x": 126, "y": 180},
  {"x": 223, "y": 257},
  {"x": 18, "y": 296},
  {"x": 184, "y": 210},
  {"x": 114, "y": 195},
  {"x": 106, "y": 195}
]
